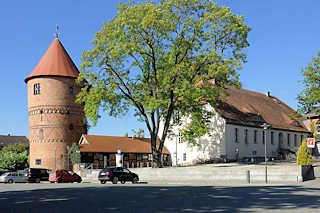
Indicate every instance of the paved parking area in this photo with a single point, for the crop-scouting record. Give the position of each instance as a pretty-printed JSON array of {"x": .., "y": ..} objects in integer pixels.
[{"x": 152, "y": 197}]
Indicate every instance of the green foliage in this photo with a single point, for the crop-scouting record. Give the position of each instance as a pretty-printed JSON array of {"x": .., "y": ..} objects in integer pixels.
[
  {"x": 138, "y": 134},
  {"x": 304, "y": 157},
  {"x": 314, "y": 131},
  {"x": 14, "y": 157},
  {"x": 309, "y": 97},
  {"x": 74, "y": 154},
  {"x": 126, "y": 134},
  {"x": 151, "y": 57}
]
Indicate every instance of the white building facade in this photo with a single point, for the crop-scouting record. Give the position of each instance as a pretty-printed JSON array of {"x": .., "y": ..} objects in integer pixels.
[{"x": 238, "y": 135}]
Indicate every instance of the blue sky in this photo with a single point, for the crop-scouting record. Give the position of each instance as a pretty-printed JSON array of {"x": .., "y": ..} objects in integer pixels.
[{"x": 284, "y": 38}]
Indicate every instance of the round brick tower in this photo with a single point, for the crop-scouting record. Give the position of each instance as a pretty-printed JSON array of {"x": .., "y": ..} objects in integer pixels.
[{"x": 56, "y": 121}]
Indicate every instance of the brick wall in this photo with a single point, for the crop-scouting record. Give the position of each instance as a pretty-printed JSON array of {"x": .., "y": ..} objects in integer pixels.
[{"x": 55, "y": 120}]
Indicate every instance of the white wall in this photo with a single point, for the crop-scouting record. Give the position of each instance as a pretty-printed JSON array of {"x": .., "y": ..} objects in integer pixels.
[
  {"x": 252, "y": 149},
  {"x": 209, "y": 147}
]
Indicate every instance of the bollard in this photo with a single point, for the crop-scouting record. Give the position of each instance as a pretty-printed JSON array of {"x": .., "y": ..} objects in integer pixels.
[{"x": 248, "y": 176}]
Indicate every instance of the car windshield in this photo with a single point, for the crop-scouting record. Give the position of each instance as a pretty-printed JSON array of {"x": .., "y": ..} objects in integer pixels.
[
  {"x": 70, "y": 172},
  {"x": 5, "y": 174}
]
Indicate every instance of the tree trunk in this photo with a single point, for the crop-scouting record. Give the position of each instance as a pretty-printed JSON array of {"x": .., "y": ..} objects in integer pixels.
[{"x": 157, "y": 159}]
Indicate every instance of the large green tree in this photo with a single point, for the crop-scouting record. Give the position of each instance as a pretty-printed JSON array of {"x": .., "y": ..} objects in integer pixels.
[
  {"x": 309, "y": 97},
  {"x": 151, "y": 57}
]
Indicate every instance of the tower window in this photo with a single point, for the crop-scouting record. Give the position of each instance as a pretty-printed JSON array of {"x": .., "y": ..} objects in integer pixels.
[
  {"x": 38, "y": 161},
  {"x": 71, "y": 90},
  {"x": 70, "y": 127},
  {"x": 36, "y": 89}
]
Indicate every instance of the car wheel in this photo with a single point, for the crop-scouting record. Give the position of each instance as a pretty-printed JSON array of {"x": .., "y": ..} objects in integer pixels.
[
  {"x": 115, "y": 180},
  {"x": 59, "y": 180},
  {"x": 78, "y": 181},
  {"x": 37, "y": 180},
  {"x": 123, "y": 181},
  {"x": 10, "y": 181},
  {"x": 135, "y": 180},
  {"x": 103, "y": 181}
]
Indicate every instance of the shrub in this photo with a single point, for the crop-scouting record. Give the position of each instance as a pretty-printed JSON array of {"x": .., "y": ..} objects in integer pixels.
[
  {"x": 304, "y": 157},
  {"x": 14, "y": 157}
]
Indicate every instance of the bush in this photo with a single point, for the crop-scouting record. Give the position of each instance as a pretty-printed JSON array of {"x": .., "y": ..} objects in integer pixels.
[
  {"x": 74, "y": 154},
  {"x": 14, "y": 157},
  {"x": 304, "y": 157}
]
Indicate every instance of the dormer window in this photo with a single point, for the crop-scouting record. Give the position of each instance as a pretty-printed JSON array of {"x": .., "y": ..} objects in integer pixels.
[{"x": 36, "y": 89}]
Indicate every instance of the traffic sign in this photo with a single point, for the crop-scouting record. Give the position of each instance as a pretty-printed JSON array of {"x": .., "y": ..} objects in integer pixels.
[{"x": 310, "y": 142}]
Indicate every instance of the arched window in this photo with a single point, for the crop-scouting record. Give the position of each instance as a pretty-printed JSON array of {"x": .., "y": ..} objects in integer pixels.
[{"x": 41, "y": 134}]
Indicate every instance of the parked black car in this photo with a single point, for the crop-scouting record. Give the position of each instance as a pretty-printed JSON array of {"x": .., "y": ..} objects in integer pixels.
[
  {"x": 36, "y": 174},
  {"x": 115, "y": 174}
]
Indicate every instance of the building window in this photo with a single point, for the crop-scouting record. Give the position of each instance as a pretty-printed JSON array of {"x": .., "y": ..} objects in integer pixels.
[
  {"x": 255, "y": 136},
  {"x": 71, "y": 90},
  {"x": 318, "y": 126},
  {"x": 38, "y": 161},
  {"x": 180, "y": 137},
  {"x": 176, "y": 117},
  {"x": 272, "y": 139},
  {"x": 301, "y": 139},
  {"x": 246, "y": 136},
  {"x": 139, "y": 156},
  {"x": 295, "y": 140},
  {"x": 41, "y": 134},
  {"x": 288, "y": 139},
  {"x": 36, "y": 89},
  {"x": 263, "y": 137},
  {"x": 184, "y": 156},
  {"x": 236, "y": 135},
  {"x": 254, "y": 153},
  {"x": 280, "y": 138}
]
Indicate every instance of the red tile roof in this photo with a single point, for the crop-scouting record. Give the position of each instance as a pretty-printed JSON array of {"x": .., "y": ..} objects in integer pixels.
[
  {"x": 246, "y": 107},
  {"x": 96, "y": 143},
  {"x": 55, "y": 62}
]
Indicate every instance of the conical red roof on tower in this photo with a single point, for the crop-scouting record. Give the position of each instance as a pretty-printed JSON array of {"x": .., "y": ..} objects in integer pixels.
[{"x": 55, "y": 62}]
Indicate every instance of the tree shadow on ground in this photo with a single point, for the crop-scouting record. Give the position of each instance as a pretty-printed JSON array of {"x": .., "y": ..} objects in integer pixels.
[{"x": 144, "y": 198}]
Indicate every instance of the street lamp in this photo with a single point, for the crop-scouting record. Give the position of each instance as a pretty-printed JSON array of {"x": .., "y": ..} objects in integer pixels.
[
  {"x": 55, "y": 159},
  {"x": 68, "y": 156},
  {"x": 177, "y": 136},
  {"x": 265, "y": 126}
]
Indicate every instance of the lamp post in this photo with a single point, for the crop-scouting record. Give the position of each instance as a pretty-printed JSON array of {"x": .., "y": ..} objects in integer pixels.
[
  {"x": 55, "y": 159},
  {"x": 265, "y": 127},
  {"x": 68, "y": 157},
  {"x": 177, "y": 151}
]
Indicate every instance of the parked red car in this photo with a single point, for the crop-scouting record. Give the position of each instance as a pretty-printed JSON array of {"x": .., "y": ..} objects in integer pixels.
[{"x": 64, "y": 175}]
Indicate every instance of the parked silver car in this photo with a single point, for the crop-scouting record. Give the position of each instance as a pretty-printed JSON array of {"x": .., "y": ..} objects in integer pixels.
[{"x": 13, "y": 177}]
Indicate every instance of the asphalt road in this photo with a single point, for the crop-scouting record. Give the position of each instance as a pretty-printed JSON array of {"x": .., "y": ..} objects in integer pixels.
[{"x": 88, "y": 197}]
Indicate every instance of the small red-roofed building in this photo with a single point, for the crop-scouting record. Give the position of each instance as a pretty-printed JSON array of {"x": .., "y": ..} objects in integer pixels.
[{"x": 100, "y": 151}]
